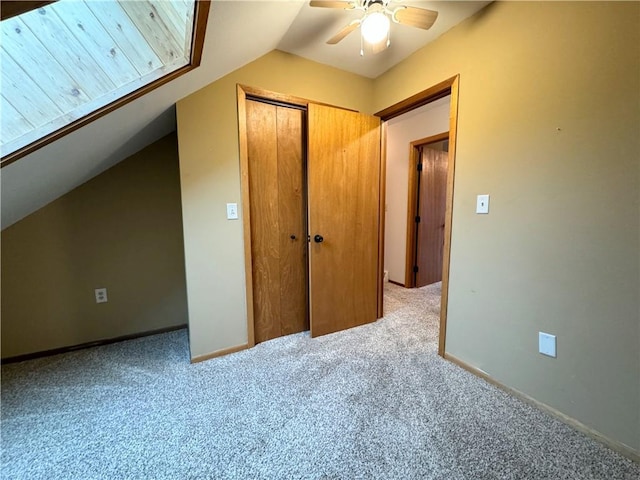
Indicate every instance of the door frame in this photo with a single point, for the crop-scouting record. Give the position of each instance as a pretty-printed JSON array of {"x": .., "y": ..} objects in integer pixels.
[
  {"x": 440, "y": 90},
  {"x": 244, "y": 93},
  {"x": 414, "y": 158}
]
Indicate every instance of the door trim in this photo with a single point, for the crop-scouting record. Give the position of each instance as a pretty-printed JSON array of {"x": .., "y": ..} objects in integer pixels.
[
  {"x": 381, "y": 216},
  {"x": 414, "y": 158},
  {"x": 440, "y": 90}
]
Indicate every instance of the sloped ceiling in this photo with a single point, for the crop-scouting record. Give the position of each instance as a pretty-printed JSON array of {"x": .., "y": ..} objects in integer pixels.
[{"x": 238, "y": 32}]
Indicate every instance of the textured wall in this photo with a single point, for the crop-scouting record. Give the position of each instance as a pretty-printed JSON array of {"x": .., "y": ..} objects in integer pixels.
[
  {"x": 120, "y": 230},
  {"x": 210, "y": 178},
  {"x": 548, "y": 125}
]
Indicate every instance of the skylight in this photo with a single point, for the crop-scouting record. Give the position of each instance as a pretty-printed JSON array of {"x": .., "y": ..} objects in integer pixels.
[{"x": 66, "y": 61}]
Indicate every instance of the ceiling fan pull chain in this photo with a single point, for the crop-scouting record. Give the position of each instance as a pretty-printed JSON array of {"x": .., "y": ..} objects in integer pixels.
[{"x": 361, "y": 46}]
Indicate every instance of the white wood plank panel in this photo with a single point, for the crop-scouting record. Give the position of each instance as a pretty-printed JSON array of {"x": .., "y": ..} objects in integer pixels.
[
  {"x": 100, "y": 45},
  {"x": 26, "y": 96},
  {"x": 183, "y": 7},
  {"x": 86, "y": 109},
  {"x": 190, "y": 6},
  {"x": 154, "y": 30},
  {"x": 172, "y": 19},
  {"x": 115, "y": 20},
  {"x": 12, "y": 123},
  {"x": 28, "y": 52},
  {"x": 61, "y": 43}
]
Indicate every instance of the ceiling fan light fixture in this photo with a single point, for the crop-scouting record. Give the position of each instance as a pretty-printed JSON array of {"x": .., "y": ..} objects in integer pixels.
[{"x": 375, "y": 27}]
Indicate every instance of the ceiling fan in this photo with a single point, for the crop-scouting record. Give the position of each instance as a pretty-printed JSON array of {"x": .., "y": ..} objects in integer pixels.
[{"x": 376, "y": 20}]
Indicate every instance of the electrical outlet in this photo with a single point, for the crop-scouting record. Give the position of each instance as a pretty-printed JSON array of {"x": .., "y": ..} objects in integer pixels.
[
  {"x": 101, "y": 295},
  {"x": 547, "y": 344}
]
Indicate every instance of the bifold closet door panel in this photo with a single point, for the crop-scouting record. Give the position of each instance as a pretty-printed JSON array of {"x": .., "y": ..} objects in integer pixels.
[
  {"x": 292, "y": 215},
  {"x": 262, "y": 150},
  {"x": 277, "y": 209},
  {"x": 344, "y": 192}
]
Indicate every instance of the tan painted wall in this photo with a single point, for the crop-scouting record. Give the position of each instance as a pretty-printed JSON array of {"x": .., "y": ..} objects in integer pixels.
[
  {"x": 121, "y": 230},
  {"x": 210, "y": 178},
  {"x": 549, "y": 126},
  {"x": 422, "y": 122}
]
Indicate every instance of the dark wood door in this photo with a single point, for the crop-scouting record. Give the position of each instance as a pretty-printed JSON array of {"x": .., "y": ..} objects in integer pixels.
[
  {"x": 432, "y": 197},
  {"x": 275, "y": 140},
  {"x": 344, "y": 192}
]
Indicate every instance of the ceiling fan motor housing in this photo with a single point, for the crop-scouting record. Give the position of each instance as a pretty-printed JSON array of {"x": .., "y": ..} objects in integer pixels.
[
  {"x": 376, "y": 19},
  {"x": 369, "y": 3}
]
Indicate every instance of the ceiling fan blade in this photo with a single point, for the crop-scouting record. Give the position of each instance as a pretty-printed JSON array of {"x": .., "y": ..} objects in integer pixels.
[
  {"x": 344, "y": 32},
  {"x": 328, "y": 4},
  {"x": 415, "y": 17}
]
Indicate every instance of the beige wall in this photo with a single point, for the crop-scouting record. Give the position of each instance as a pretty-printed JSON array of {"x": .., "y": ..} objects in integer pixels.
[
  {"x": 210, "y": 178},
  {"x": 549, "y": 127},
  {"x": 422, "y": 122},
  {"x": 121, "y": 230}
]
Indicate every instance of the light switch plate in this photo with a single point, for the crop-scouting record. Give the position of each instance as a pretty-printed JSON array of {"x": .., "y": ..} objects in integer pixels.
[
  {"x": 232, "y": 211},
  {"x": 547, "y": 344},
  {"x": 482, "y": 205}
]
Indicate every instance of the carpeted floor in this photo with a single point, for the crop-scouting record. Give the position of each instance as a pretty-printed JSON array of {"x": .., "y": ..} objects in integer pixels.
[{"x": 374, "y": 402}]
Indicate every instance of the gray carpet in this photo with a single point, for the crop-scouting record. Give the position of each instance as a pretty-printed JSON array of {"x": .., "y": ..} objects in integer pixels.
[{"x": 374, "y": 402}]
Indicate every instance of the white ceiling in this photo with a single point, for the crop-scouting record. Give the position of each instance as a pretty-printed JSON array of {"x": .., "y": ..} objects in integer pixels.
[
  {"x": 238, "y": 32},
  {"x": 312, "y": 27}
]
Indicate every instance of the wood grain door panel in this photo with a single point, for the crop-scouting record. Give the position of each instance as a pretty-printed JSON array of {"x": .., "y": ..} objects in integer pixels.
[
  {"x": 292, "y": 203},
  {"x": 432, "y": 199},
  {"x": 343, "y": 196},
  {"x": 277, "y": 211}
]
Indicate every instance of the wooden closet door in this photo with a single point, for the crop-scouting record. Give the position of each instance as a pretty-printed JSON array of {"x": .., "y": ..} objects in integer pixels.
[
  {"x": 344, "y": 191},
  {"x": 292, "y": 216},
  {"x": 278, "y": 213}
]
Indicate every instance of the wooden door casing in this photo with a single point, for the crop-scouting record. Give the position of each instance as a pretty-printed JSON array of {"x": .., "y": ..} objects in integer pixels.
[
  {"x": 278, "y": 212},
  {"x": 344, "y": 201}
]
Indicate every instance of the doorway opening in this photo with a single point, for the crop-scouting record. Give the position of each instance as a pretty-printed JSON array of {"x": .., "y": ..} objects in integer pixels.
[{"x": 432, "y": 94}]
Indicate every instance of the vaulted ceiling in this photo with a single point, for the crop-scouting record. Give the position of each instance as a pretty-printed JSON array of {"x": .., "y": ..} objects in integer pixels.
[{"x": 238, "y": 32}]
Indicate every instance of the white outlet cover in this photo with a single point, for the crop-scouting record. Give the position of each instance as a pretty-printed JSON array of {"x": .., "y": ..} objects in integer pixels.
[
  {"x": 547, "y": 344},
  {"x": 482, "y": 204},
  {"x": 101, "y": 295}
]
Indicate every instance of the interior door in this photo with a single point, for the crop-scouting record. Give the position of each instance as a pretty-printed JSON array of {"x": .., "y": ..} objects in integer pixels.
[
  {"x": 278, "y": 219},
  {"x": 343, "y": 194},
  {"x": 432, "y": 197}
]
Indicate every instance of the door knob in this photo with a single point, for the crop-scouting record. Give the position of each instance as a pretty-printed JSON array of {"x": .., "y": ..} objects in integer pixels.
[
  {"x": 318, "y": 239},
  {"x": 292, "y": 237}
]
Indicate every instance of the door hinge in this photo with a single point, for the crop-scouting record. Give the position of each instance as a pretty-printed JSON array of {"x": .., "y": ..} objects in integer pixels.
[
  {"x": 420, "y": 166},
  {"x": 418, "y": 219},
  {"x": 415, "y": 269}
]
